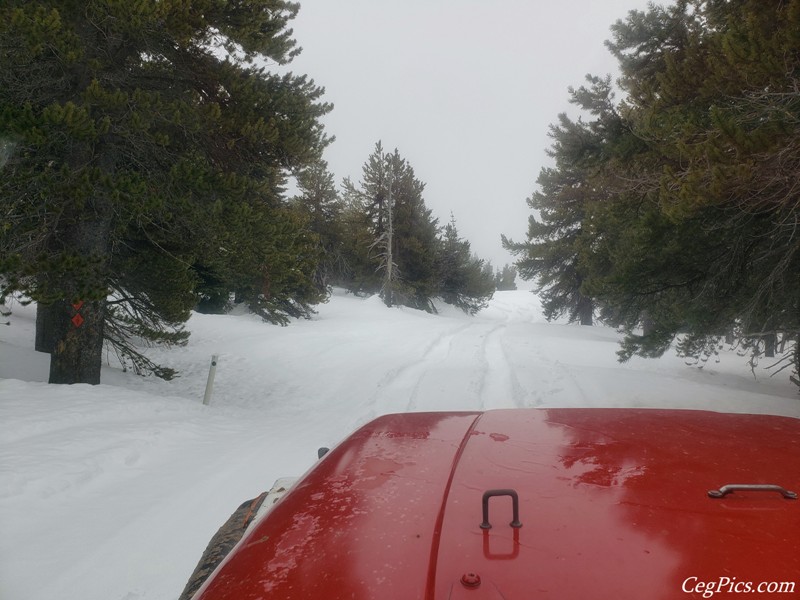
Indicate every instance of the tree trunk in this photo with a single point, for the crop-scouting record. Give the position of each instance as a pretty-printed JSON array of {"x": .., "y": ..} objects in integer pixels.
[
  {"x": 77, "y": 331},
  {"x": 585, "y": 310},
  {"x": 388, "y": 285},
  {"x": 71, "y": 329},
  {"x": 770, "y": 343},
  {"x": 648, "y": 325},
  {"x": 45, "y": 329}
]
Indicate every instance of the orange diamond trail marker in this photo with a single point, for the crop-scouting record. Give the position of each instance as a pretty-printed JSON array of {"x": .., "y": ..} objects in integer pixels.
[{"x": 77, "y": 320}]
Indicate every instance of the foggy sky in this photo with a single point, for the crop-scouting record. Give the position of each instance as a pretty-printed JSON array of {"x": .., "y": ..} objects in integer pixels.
[{"x": 464, "y": 89}]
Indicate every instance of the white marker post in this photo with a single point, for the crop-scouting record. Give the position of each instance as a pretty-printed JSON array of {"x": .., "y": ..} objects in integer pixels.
[{"x": 210, "y": 383}]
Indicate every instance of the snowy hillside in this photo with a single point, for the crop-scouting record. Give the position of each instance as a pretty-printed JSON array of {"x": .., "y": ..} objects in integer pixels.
[{"x": 111, "y": 492}]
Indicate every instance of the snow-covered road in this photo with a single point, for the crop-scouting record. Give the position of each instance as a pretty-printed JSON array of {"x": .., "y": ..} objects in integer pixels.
[{"x": 111, "y": 492}]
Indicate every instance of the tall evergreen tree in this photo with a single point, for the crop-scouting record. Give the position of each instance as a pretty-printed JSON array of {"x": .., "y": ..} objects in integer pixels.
[
  {"x": 684, "y": 219},
  {"x": 505, "y": 278},
  {"x": 721, "y": 115},
  {"x": 415, "y": 233},
  {"x": 388, "y": 211},
  {"x": 367, "y": 220},
  {"x": 554, "y": 252},
  {"x": 361, "y": 271},
  {"x": 319, "y": 202},
  {"x": 143, "y": 148},
  {"x": 465, "y": 281}
]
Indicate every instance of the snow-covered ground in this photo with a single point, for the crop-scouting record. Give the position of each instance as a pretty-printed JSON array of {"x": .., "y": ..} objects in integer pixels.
[{"x": 111, "y": 492}]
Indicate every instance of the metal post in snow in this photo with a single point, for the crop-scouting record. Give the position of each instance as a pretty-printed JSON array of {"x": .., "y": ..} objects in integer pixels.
[{"x": 210, "y": 383}]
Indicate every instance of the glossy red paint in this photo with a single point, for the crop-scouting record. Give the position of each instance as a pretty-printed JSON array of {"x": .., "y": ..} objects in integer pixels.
[{"x": 613, "y": 504}]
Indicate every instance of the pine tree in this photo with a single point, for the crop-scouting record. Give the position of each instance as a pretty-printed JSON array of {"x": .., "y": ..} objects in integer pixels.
[
  {"x": 719, "y": 111},
  {"x": 386, "y": 213},
  {"x": 319, "y": 202},
  {"x": 676, "y": 210},
  {"x": 505, "y": 279},
  {"x": 465, "y": 280},
  {"x": 415, "y": 236},
  {"x": 555, "y": 250},
  {"x": 147, "y": 149},
  {"x": 360, "y": 276},
  {"x": 371, "y": 206}
]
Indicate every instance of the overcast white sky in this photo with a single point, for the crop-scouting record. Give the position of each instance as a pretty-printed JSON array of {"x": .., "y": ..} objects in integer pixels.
[{"x": 465, "y": 89}]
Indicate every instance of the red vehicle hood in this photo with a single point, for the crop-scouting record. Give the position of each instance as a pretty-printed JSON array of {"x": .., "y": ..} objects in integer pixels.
[{"x": 613, "y": 503}]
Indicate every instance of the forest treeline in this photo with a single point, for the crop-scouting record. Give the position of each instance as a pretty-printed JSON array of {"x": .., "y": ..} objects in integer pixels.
[
  {"x": 378, "y": 236},
  {"x": 145, "y": 151},
  {"x": 674, "y": 213}
]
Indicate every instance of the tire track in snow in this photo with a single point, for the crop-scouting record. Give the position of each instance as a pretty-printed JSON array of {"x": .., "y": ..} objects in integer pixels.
[
  {"x": 398, "y": 390},
  {"x": 559, "y": 382},
  {"x": 572, "y": 380},
  {"x": 466, "y": 367},
  {"x": 499, "y": 386}
]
